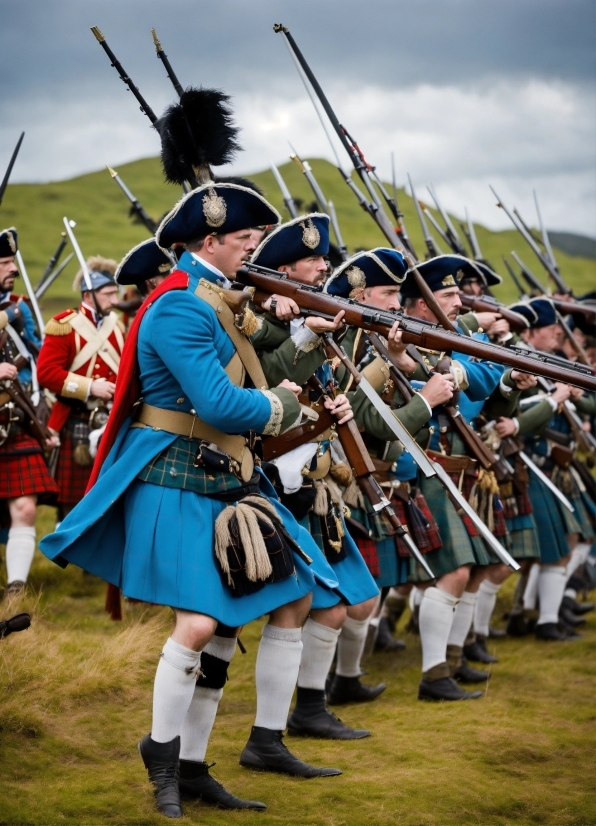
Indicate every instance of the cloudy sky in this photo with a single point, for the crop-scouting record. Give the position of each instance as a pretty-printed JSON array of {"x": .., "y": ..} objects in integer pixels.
[{"x": 464, "y": 92}]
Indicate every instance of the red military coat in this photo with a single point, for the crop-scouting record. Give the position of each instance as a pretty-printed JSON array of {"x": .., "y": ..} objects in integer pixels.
[{"x": 74, "y": 353}]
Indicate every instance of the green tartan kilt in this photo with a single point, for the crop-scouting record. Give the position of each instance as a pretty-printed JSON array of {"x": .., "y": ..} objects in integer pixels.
[
  {"x": 553, "y": 522},
  {"x": 581, "y": 516},
  {"x": 457, "y": 549},
  {"x": 524, "y": 544}
]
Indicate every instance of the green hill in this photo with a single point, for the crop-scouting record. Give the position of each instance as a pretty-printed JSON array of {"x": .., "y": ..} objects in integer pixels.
[{"x": 100, "y": 209}]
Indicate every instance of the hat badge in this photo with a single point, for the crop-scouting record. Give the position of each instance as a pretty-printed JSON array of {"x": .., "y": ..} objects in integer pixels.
[
  {"x": 448, "y": 281},
  {"x": 356, "y": 278},
  {"x": 214, "y": 209},
  {"x": 311, "y": 237},
  {"x": 11, "y": 242}
]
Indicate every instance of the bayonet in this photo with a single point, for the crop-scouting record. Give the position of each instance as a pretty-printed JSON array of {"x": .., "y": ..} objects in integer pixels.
[
  {"x": 30, "y": 293},
  {"x": 428, "y": 239},
  {"x": 401, "y": 225},
  {"x": 343, "y": 250},
  {"x": 451, "y": 233},
  {"x": 164, "y": 59},
  {"x": 428, "y": 214},
  {"x": 11, "y": 163},
  {"x": 53, "y": 261},
  {"x": 528, "y": 275},
  {"x": 135, "y": 203},
  {"x": 126, "y": 79},
  {"x": 545, "y": 238},
  {"x": 285, "y": 192},
  {"x": 522, "y": 293},
  {"x": 42, "y": 288}
]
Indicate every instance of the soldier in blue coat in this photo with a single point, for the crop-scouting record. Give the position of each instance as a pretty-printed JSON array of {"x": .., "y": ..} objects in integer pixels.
[{"x": 180, "y": 516}]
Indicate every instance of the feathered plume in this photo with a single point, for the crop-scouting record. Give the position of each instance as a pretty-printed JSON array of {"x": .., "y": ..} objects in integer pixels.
[{"x": 197, "y": 133}]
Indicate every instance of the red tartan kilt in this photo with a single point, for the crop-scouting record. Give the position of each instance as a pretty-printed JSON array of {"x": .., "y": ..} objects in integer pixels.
[
  {"x": 468, "y": 484},
  {"x": 500, "y": 528},
  {"x": 368, "y": 549},
  {"x": 426, "y": 540},
  {"x": 27, "y": 474},
  {"x": 72, "y": 479}
]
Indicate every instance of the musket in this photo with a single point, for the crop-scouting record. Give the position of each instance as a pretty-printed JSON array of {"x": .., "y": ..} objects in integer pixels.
[
  {"x": 13, "y": 158},
  {"x": 561, "y": 305},
  {"x": 363, "y": 469},
  {"x": 575, "y": 345},
  {"x": 39, "y": 292},
  {"x": 306, "y": 170},
  {"x": 285, "y": 192},
  {"x": 428, "y": 239},
  {"x": 545, "y": 238},
  {"x": 454, "y": 239},
  {"x": 527, "y": 236},
  {"x": 470, "y": 233},
  {"x": 515, "y": 279},
  {"x": 425, "y": 334},
  {"x": 488, "y": 304},
  {"x": 53, "y": 261},
  {"x": 30, "y": 293},
  {"x": 425, "y": 464},
  {"x": 438, "y": 228},
  {"x": 529, "y": 276},
  {"x": 136, "y": 205},
  {"x": 568, "y": 411},
  {"x": 164, "y": 59},
  {"x": 126, "y": 79},
  {"x": 401, "y": 224}
]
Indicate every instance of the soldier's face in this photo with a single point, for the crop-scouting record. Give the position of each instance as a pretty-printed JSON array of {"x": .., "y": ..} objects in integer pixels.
[
  {"x": 106, "y": 298},
  {"x": 384, "y": 298},
  {"x": 471, "y": 288},
  {"x": 312, "y": 270},
  {"x": 544, "y": 338},
  {"x": 229, "y": 252},
  {"x": 449, "y": 301},
  {"x": 8, "y": 273}
]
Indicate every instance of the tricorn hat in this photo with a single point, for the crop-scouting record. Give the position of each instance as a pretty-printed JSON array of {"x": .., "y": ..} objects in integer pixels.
[
  {"x": 379, "y": 267},
  {"x": 303, "y": 237},
  {"x": 144, "y": 261},
  {"x": 445, "y": 271},
  {"x": 538, "y": 312},
  {"x": 214, "y": 209},
  {"x": 8, "y": 242},
  {"x": 482, "y": 273}
]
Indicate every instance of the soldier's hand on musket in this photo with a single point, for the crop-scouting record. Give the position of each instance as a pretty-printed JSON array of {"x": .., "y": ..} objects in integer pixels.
[
  {"x": 523, "y": 381},
  {"x": 438, "y": 389},
  {"x": 575, "y": 393},
  {"x": 340, "y": 407},
  {"x": 561, "y": 392},
  {"x": 290, "y": 385},
  {"x": 8, "y": 371},
  {"x": 323, "y": 325},
  {"x": 505, "y": 427},
  {"x": 102, "y": 389},
  {"x": 397, "y": 349},
  {"x": 282, "y": 307},
  {"x": 52, "y": 442}
]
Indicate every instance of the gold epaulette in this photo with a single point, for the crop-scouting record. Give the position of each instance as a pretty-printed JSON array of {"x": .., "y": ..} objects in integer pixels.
[{"x": 59, "y": 325}]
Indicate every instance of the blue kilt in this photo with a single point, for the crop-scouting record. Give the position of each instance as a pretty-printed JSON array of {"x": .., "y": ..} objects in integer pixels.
[{"x": 552, "y": 524}]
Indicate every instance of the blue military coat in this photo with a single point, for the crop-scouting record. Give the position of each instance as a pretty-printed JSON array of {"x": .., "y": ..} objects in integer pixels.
[{"x": 154, "y": 542}]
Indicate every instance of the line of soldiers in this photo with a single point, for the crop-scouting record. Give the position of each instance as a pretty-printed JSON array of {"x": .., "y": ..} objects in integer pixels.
[{"x": 183, "y": 511}]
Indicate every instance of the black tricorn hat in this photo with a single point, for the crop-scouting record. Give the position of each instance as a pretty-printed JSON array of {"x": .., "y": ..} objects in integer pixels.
[{"x": 144, "y": 261}]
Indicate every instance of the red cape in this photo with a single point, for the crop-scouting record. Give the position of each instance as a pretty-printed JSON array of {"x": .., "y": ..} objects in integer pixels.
[{"x": 128, "y": 386}]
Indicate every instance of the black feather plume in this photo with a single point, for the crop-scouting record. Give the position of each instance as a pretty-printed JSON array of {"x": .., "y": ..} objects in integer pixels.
[
  {"x": 236, "y": 179},
  {"x": 196, "y": 133}
]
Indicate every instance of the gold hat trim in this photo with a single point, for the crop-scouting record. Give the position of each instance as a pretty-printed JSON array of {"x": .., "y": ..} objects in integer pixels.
[
  {"x": 214, "y": 209},
  {"x": 311, "y": 237}
]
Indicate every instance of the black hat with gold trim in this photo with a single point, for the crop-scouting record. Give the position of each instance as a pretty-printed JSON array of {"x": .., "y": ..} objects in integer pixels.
[
  {"x": 442, "y": 272},
  {"x": 144, "y": 261},
  {"x": 214, "y": 209},
  {"x": 538, "y": 312},
  {"x": 380, "y": 267},
  {"x": 8, "y": 242},
  {"x": 305, "y": 236}
]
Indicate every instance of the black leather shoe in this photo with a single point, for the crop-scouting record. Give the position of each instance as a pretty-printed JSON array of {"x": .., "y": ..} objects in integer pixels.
[
  {"x": 477, "y": 653},
  {"x": 518, "y": 626},
  {"x": 161, "y": 762},
  {"x": 312, "y": 718},
  {"x": 351, "y": 690},
  {"x": 444, "y": 689},
  {"x": 266, "y": 751},
  {"x": 569, "y": 631},
  {"x": 385, "y": 641},
  {"x": 466, "y": 674},
  {"x": 197, "y": 784},
  {"x": 569, "y": 618},
  {"x": 496, "y": 633},
  {"x": 551, "y": 632},
  {"x": 576, "y": 607}
]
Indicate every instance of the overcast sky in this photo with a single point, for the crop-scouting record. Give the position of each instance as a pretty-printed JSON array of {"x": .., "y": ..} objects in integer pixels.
[{"x": 464, "y": 92}]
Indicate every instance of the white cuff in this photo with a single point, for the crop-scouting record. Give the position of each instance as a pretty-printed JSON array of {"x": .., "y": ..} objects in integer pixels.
[
  {"x": 430, "y": 410},
  {"x": 516, "y": 423},
  {"x": 505, "y": 389},
  {"x": 305, "y": 340},
  {"x": 554, "y": 404},
  {"x": 458, "y": 372}
]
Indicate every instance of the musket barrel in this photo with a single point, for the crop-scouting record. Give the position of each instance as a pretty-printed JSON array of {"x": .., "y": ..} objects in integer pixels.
[{"x": 11, "y": 163}]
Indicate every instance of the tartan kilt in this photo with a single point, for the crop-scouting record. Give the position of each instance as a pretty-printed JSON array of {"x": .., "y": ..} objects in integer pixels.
[
  {"x": 427, "y": 539},
  {"x": 524, "y": 544},
  {"x": 72, "y": 479},
  {"x": 582, "y": 516},
  {"x": 26, "y": 474},
  {"x": 370, "y": 554},
  {"x": 551, "y": 522}
]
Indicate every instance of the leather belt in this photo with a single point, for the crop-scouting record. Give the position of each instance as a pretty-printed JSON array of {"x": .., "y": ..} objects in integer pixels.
[
  {"x": 454, "y": 464},
  {"x": 192, "y": 427}
]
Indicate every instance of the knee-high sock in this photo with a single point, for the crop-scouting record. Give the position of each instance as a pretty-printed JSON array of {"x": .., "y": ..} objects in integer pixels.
[
  {"x": 531, "y": 591},
  {"x": 436, "y": 616},
  {"x": 578, "y": 556},
  {"x": 200, "y": 717},
  {"x": 278, "y": 661},
  {"x": 485, "y": 605},
  {"x": 462, "y": 619},
  {"x": 173, "y": 689},
  {"x": 350, "y": 646},
  {"x": 318, "y": 648},
  {"x": 551, "y": 585},
  {"x": 415, "y": 598},
  {"x": 20, "y": 549}
]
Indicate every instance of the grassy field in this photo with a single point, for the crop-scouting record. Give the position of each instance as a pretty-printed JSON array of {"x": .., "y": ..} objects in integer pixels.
[
  {"x": 75, "y": 697},
  {"x": 98, "y": 206}
]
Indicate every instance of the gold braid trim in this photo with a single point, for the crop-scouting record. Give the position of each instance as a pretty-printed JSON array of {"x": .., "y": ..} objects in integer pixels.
[{"x": 59, "y": 328}]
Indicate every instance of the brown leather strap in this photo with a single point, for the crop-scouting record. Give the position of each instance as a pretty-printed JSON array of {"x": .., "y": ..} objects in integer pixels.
[{"x": 453, "y": 464}]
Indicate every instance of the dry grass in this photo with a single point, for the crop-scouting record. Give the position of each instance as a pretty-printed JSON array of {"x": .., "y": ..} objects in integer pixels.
[{"x": 75, "y": 696}]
